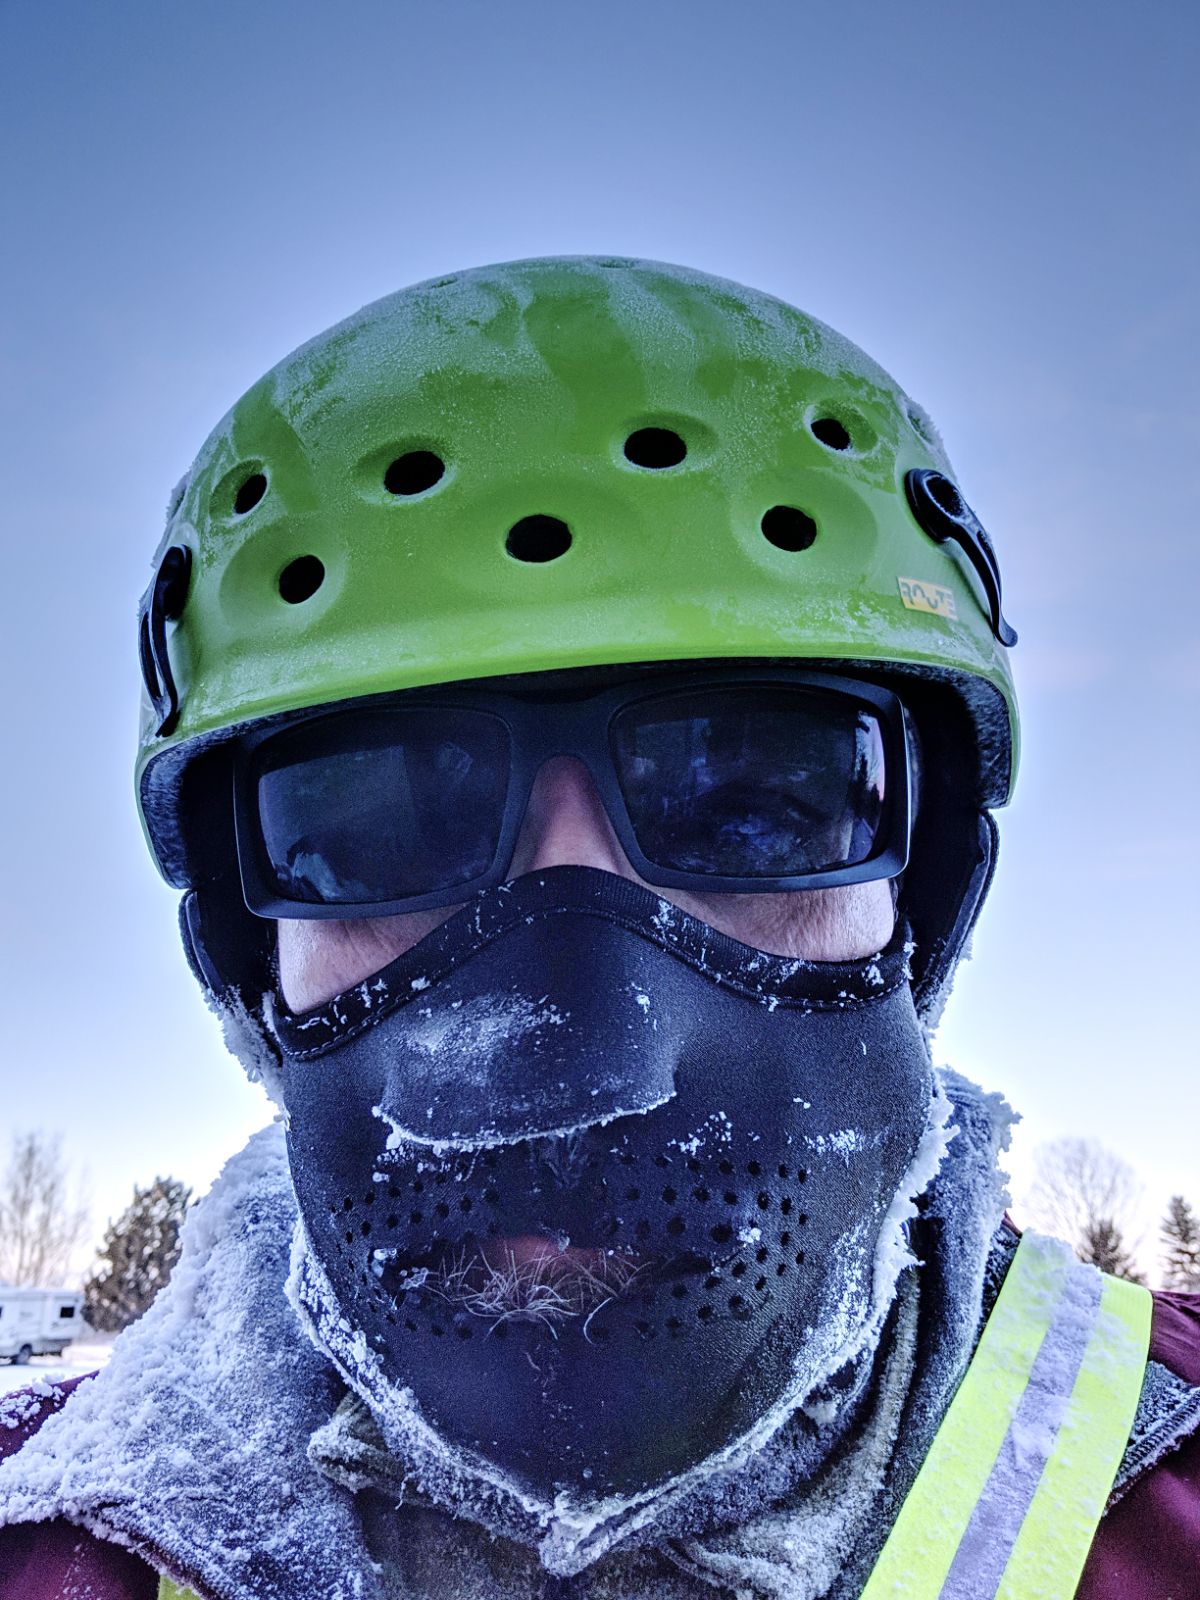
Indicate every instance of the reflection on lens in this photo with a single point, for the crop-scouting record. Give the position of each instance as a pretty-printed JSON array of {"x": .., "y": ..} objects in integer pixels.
[
  {"x": 366, "y": 807},
  {"x": 752, "y": 782}
]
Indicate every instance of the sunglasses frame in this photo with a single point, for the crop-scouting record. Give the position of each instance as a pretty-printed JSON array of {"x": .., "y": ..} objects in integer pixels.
[{"x": 559, "y": 722}]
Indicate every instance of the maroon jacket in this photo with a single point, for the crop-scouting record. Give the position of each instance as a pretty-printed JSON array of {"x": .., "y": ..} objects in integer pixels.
[{"x": 1147, "y": 1546}]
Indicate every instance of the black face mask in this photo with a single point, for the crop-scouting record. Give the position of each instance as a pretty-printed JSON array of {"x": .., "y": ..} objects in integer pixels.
[{"x": 707, "y": 1138}]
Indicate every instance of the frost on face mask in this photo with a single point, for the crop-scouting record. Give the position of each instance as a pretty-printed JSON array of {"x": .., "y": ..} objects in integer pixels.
[{"x": 607, "y": 1195}]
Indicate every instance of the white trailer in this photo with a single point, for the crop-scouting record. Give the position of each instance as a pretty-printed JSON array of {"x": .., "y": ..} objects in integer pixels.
[{"x": 37, "y": 1322}]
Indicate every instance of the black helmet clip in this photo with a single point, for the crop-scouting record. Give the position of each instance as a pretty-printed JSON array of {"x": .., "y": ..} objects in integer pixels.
[
  {"x": 163, "y": 602},
  {"x": 943, "y": 514}
]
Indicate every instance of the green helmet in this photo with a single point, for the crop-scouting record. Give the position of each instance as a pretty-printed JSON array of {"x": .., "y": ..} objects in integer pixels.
[{"x": 563, "y": 463}]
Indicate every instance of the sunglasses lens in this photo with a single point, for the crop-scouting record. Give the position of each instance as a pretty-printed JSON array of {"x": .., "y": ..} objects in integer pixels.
[
  {"x": 752, "y": 782},
  {"x": 367, "y": 807}
]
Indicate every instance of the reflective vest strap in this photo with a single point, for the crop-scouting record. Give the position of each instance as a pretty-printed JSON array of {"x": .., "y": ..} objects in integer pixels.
[
  {"x": 1078, "y": 1477},
  {"x": 1007, "y": 1502},
  {"x": 171, "y": 1591}
]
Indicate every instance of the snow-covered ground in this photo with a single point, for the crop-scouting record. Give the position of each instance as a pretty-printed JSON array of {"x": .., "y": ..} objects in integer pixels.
[{"x": 84, "y": 1356}]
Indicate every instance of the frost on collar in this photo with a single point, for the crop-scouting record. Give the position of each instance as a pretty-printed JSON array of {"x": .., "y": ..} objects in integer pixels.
[{"x": 190, "y": 1446}]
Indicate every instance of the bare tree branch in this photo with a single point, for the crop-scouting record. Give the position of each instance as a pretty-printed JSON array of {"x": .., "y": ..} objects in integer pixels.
[
  {"x": 1089, "y": 1197},
  {"x": 41, "y": 1227}
]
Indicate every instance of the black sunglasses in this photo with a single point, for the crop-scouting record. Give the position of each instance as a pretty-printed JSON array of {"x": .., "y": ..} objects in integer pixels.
[{"x": 726, "y": 782}]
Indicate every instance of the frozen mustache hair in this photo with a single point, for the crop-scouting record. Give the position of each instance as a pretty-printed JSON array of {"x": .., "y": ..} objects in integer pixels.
[{"x": 589, "y": 1190}]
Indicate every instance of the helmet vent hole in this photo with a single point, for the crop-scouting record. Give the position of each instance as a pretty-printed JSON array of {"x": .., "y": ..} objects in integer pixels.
[
  {"x": 301, "y": 579},
  {"x": 538, "y": 539},
  {"x": 250, "y": 493},
  {"x": 655, "y": 448},
  {"x": 788, "y": 528},
  {"x": 414, "y": 472},
  {"x": 831, "y": 433}
]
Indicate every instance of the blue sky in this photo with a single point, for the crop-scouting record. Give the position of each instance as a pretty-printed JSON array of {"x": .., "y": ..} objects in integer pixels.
[{"x": 999, "y": 204}]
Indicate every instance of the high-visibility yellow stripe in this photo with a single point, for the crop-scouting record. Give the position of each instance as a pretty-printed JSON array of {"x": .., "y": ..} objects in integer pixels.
[
  {"x": 171, "y": 1591},
  {"x": 919, "y": 1551},
  {"x": 1052, "y": 1546},
  {"x": 1018, "y": 1474}
]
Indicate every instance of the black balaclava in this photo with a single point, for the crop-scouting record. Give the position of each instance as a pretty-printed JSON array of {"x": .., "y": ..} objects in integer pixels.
[{"x": 718, "y": 1144}]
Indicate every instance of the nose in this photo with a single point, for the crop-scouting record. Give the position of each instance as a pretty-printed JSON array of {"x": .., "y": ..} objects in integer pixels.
[{"x": 566, "y": 825}]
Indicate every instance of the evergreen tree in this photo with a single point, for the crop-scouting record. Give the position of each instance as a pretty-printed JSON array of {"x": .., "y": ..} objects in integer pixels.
[
  {"x": 1181, "y": 1246},
  {"x": 136, "y": 1257},
  {"x": 1103, "y": 1245}
]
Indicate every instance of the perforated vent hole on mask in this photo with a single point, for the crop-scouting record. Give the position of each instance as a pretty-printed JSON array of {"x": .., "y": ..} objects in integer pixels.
[
  {"x": 537, "y": 539},
  {"x": 788, "y": 528},
  {"x": 301, "y": 579},
  {"x": 655, "y": 448},
  {"x": 250, "y": 493},
  {"x": 833, "y": 434},
  {"x": 716, "y": 1242},
  {"x": 413, "y": 473}
]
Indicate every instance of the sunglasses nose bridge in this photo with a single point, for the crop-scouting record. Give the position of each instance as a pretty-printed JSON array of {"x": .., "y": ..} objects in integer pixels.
[{"x": 565, "y": 821}]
